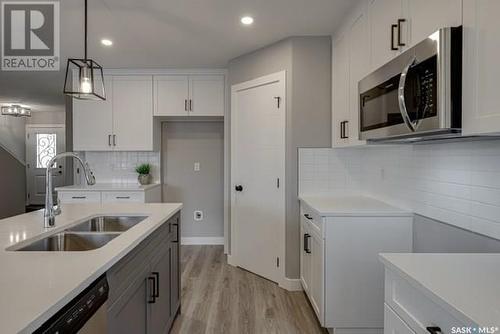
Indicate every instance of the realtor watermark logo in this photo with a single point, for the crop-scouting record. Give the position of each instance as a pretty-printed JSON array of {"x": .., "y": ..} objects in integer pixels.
[
  {"x": 30, "y": 35},
  {"x": 474, "y": 330}
]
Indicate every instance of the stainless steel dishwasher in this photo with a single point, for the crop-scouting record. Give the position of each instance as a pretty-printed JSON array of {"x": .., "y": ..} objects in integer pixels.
[{"x": 85, "y": 314}]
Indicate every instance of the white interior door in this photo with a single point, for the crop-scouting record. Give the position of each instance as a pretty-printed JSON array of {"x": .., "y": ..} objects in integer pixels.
[
  {"x": 42, "y": 144},
  {"x": 258, "y": 165}
]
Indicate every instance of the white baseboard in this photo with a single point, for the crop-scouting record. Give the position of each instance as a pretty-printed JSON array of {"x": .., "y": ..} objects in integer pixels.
[
  {"x": 291, "y": 284},
  {"x": 202, "y": 241}
]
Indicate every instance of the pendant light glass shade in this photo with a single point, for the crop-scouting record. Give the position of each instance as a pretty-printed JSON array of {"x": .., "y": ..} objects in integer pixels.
[
  {"x": 84, "y": 80},
  {"x": 84, "y": 77}
]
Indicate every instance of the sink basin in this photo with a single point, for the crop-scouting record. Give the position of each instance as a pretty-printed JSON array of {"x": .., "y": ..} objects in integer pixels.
[
  {"x": 70, "y": 242},
  {"x": 107, "y": 224}
]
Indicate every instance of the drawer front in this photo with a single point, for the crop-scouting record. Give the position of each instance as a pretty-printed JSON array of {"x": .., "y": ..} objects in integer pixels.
[
  {"x": 123, "y": 196},
  {"x": 393, "y": 324},
  {"x": 308, "y": 215},
  {"x": 416, "y": 309},
  {"x": 79, "y": 197}
]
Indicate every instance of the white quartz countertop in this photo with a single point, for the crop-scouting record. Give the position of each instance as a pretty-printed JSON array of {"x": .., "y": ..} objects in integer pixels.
[
  {"x": 328, "y": 205},
  {"x": 466, "y": 285},
  {"x": 109, "y": 187},
  {"x": 35, "y": 285}
]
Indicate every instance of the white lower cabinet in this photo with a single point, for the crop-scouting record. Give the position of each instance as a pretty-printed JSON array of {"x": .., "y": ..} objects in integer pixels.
[
  {"x": 414, "y": 309},
  {"x": 340, "y": 271},
  {"x": 150, "y": 195},
  {"x": 393, "y": 323}
]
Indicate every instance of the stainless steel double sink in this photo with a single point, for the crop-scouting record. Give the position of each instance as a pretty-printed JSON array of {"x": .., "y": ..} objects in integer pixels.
[{"x": 87, "y": 235}]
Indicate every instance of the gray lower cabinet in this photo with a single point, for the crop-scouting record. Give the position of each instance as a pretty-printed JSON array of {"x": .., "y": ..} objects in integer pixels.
[{"x": 145, "y": 285}]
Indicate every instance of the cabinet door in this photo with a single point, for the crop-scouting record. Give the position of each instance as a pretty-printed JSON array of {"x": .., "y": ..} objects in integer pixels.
[
  {"x": 305, "y": 258},
  {"x": 171, "y": 95},
  {"x": 383, "y": 14},
  {"x": 393, "y": 323},
  {"x": 481, "y": 114},
  {"x": 340, "y": 90},
  {"x": 359, "y": 67},
  {"x": 175, "y": 273},
  {"x": 93, "y": 122},
  {"x": 129, "y": 313},
  {"x": 133, "y": 113},
  {"x": 427, "y": 16},
  {"x": 316, "y": 289},
  {"x": 206, "y": 95},
  {"x": 160, "y": 310}
]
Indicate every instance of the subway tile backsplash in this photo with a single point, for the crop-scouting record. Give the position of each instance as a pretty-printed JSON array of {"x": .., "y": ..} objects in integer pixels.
[
  {"x": 119, "y": 167},
  {"x": 457, "y": 183}
]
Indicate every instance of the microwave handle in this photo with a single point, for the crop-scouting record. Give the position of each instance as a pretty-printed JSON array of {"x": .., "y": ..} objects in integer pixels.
[{"x": 412, "y": 126}]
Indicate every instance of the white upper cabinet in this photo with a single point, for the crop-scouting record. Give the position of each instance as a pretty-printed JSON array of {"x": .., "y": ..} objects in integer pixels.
[
  {"x": 193, "y": 95},
  {"x": 123, "y": 122},
  {"x": 206, "y": 95},
  {"x": 481, "y": 70},
  {"x": 171, "y": 95},
  {"x": 359, "y": 67},
  {"x": 93, "y": 122},
  {"x": 427, "y": 16},
  {"x": 340, "y": 95},
  {"x": 385, "y": 30},
  {"x": 132, "y": 113}
]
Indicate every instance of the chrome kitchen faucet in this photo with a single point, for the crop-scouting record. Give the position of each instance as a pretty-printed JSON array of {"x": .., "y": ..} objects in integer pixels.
[{"x": 51, "y": 210}]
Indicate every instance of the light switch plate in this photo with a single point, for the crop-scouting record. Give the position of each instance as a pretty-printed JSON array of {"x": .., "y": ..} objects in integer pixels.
[{"x": 196, "y": 166}]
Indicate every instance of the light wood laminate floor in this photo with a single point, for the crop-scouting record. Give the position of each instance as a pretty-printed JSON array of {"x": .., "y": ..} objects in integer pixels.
[{"x": 219, "y": 298}]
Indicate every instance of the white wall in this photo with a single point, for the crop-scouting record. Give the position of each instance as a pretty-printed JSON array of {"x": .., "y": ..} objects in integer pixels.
[
  {"x": 456, "y": 183},
  {"x": 12, "y": 136}
]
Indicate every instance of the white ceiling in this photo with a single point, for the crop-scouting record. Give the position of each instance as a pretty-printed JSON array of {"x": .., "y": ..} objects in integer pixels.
[{"x": 170, "y": 33}]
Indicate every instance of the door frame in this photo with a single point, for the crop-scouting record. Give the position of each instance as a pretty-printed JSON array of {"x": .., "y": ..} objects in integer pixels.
[
  {"x": 41, "y": 126},
  {"x": 232, "y": 257}
]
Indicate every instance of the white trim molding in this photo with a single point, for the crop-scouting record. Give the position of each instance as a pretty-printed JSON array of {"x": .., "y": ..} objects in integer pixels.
[
  {"x": 202, "y": 241},
  {"x": 291, "y": 284}
]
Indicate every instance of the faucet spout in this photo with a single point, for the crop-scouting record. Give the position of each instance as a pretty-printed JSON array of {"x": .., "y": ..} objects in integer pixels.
[{"x": 51, "y": 210}]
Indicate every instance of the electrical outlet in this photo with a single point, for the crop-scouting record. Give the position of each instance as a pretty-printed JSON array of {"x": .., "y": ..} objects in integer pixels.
[
  {"x": 198, "y": 215},
  {"x": 196, "y": 166}
]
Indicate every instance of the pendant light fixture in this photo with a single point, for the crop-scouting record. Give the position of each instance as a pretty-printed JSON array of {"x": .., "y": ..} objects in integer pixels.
[
  {"x": 16, "y": 110},
  {"x": 84, "y": 77}
]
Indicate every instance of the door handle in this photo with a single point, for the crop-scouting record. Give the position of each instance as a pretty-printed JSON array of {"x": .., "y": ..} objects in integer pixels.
[
  {"x": 185, "y": 105},
  {"x": 308, "y": 216},
  {"x": 343, "y": 131},
  {"x": 400, "y": 21},
  {"x": 190, "y": 105},
  {"x": 114, "y": 140},
  {"x": 177, "y": 233},
  {"x": 109, "y": 140},
  {"x": 434, "y": 330},
  {"x": 152, "y": 299},
  {"x": 393, "y": 28},
  {"x": 156, "y": 291},
  {"x": 239, "y": 188}
]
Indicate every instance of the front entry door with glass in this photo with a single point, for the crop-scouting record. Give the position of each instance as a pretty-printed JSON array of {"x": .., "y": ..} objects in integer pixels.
[{"x": 42, "y": 144}]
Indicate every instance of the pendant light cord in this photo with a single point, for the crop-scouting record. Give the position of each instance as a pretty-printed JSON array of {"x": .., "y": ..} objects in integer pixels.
[{"x": 85, "y": 30}]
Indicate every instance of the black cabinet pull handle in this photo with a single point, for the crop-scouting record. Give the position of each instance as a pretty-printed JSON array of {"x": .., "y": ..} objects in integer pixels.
[
  {"x": 307, "y": 249},
  {"x": 185, "y": 105},
  {"x": 152, "y": 299},
  {"x": 239, "y": 188},
  {"x": 79, "y": 197},
  {"x": 393, "y": 28},
  {"x": 109, "y": 140},
  {"x": 176, "y": 232},
  {"x": 400, "y": 42},
  {"x": 434, "y": 330},
  {"x": 190, "y": 105},
  {"x": 156, "y": 291},
  {"x": 343, "y": 134},
  {"x": 308, "y": 216},
  {"x": 122, "y": 197}
]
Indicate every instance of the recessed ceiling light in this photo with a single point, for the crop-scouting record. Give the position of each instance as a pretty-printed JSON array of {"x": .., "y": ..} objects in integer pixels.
[
  {"x": 106, "y": 42},
  {"x": 247, "y": 20}
]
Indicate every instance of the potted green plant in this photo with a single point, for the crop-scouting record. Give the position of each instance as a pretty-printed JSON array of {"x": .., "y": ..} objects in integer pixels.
[{"x": 144, "y": 173}]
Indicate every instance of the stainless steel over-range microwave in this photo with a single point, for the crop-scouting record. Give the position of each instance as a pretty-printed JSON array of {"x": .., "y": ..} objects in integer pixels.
[{"x": 417, "y": 95}]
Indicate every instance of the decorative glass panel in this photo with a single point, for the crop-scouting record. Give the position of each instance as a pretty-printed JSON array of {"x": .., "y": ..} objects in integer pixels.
[{"x": 45, "y": 148}]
